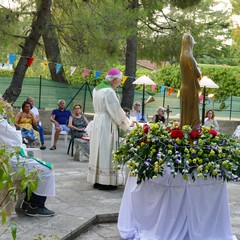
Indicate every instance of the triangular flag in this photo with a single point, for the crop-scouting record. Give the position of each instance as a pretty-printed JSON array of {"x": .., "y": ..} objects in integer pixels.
[
  {"x": 201, "y": 98},
  {"x": 170, "y": 91},
  {"x": 97, "y": 74},
  {"x": 85, "y": 72},
  {"x": 162, "y": 89},
  {"x": 12, "y": 58},
  {"x": 209, "y": 101},
  {"x": 44, "y": 65},
  {"x": 124, "y": 78},
  {"x": 30, "y": 61},
  {"x": 58, "y": 67},
  {"x": 72, "y": 70},
  {"x": 153, "y": 87},
  {"x": 178, "y": 93}
]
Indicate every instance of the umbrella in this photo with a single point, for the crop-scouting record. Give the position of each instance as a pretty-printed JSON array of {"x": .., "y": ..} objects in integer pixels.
[
  {"x": 144, "y": 80},
  {"x": 206, "y": 82}
]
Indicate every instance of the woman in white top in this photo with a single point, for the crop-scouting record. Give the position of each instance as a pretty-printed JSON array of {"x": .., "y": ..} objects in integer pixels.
[{"x": 209, "y": 120}]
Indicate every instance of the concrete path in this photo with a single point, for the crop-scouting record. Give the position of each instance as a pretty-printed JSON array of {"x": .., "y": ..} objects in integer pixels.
[{"x": 79, "y": 207}]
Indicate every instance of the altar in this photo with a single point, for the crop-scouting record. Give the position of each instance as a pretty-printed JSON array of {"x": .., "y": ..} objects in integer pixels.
[{"x": 170, "y": 208}]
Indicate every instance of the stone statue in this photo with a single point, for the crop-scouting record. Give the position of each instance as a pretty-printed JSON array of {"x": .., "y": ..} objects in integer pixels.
[{"x": 190, "y": 88}]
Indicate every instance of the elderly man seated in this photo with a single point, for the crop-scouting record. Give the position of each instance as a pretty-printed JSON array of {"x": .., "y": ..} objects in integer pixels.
[{"x": 35, "y": 206}]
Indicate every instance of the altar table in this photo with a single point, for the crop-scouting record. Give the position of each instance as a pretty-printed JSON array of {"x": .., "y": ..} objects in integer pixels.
[{"x": 170, "y": 208}]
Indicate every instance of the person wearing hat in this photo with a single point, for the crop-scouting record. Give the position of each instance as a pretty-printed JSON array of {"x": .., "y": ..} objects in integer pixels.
[
  {"x": 159, "y": 117},
  {"x": 104, "y": 135}
]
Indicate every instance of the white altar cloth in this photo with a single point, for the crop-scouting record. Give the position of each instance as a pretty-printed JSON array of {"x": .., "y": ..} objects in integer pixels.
[{"x": 170, "y": 208}]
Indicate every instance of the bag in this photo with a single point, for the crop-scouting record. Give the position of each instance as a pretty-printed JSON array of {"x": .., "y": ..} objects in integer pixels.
[{"x": 28, "y": 134}]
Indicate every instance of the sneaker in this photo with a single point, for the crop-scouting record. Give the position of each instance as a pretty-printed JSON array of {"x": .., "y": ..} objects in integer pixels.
[
  {"x": 39, "y": 212},
  {"x": 53, "y": 148}
]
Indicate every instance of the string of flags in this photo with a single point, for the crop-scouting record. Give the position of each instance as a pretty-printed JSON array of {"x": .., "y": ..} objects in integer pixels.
[{"x": 45, "y": 63}]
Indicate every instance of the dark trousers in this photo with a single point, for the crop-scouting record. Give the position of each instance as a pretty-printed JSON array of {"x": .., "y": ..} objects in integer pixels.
[{"x": 36, "y": 200}]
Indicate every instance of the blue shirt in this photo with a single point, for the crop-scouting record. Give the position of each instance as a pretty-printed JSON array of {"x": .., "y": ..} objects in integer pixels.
[{"x": 61, "y": 116}]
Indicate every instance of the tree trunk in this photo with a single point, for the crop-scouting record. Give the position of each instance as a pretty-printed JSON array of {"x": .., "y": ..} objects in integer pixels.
[
  {"x": 38, "y": 27},
  {"x": 53, "y": 52},
  {"x": 130, "y": 64}
]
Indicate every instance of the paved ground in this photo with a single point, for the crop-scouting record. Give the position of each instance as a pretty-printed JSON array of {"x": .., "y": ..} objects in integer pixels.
[{"x": 79, "y": 207}]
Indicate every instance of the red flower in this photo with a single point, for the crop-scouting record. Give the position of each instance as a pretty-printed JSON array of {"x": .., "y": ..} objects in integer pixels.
[
  {"x": 213, "y": 132},
  {"x": 146, "y": 128},
  {"x": 177, "y": 133},
  {"x": 194, "y": 134}
]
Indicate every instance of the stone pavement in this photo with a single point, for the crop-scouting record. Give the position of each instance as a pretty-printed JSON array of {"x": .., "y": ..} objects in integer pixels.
[{"x": 79, "y": 207}]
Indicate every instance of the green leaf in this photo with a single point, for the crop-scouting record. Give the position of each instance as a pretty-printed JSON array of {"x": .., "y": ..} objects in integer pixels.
[
  {"x": 14, "y": 230},
  {"x": 33, "y": 185},
  {"x": 4, "y": 215}
]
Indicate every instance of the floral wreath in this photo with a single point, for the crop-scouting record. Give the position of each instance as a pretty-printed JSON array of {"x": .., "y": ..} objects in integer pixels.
[{"x": 201, "y": 153}]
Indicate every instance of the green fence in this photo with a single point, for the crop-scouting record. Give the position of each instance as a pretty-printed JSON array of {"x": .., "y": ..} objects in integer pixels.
[{"x": 47, "y": 93}]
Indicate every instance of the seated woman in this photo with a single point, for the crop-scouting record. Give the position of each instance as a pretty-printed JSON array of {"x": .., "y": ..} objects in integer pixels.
[
  {"x": 159, "y": 117},
  {"x": 77, "y": 122},
  {"x": 25, "y": 121},
  {"x": 209, "y": 120}
]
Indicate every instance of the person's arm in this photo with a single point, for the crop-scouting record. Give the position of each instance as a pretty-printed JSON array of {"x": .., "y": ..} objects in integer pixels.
[
  {"x": 9, "y": 134},
  {"x": 115, "y": 110},
  {"x": 216, "y": 125},
  {"x": 17, "y": 119},
  {"x": 54, "y": 121},
  {"x": 86, "y": 121},
  {"x": 34, "y": 122},
  {"x": 154, "y": 118}
]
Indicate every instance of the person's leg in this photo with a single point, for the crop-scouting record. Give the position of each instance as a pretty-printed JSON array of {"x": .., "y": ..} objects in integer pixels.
[
  {"x": 35, "y": 206},
  {"x": 41, "y": 133}
]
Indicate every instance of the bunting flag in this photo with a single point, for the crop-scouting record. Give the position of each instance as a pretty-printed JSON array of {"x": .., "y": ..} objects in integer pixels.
[
  {"x": 170, "y": 91},
  {"x": 85, "y": 72},
  {"x": 162, "y": 89},
  {"x": 72, "y": 70},
  {"x": 153, "y": 87},
  {"x": 124, "y": 78},
  {"x": 178, "y": 93},
  {"x": 30, "y": 61},
  {"x": 201, "y": 98},
  {"x": 12, "y": 58},
  {"x": 44, "y": 65},
  {"x": 209, "y": 101},
  {"x": 97, "y": 74},
  {"x": 58, "y": 67}
]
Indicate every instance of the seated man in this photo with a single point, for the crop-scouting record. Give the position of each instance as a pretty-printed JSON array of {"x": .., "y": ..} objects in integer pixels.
[
  {"x": 35, "y": 206},
  {"x": 39, "y": 127},
  {"x": 60, "y": 117}
]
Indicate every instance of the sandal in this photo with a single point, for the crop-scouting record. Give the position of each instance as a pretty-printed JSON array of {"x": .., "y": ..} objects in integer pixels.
[
  {"x": 42, "y": 147},
  {"x": 53, "y": 148}
]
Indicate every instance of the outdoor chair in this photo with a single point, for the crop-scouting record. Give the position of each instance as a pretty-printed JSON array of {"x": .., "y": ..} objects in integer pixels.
[
  {"x": 64, "y": 133},
  {"x": 71, "y": 143}
]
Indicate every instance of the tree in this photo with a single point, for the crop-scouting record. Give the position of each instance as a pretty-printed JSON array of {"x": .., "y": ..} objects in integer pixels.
[
  {"x": 52, "y": 51},
  {"x": 38, "y": 28}
]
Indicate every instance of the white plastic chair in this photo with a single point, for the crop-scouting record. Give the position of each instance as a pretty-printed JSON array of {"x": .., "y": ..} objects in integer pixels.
[
  {"x": 61, "y": 133},
  {"x": 35, "y": 152}
]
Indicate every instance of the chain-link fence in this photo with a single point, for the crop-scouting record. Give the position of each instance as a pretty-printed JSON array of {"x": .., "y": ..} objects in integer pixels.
[{"x": 47, "y": 93}]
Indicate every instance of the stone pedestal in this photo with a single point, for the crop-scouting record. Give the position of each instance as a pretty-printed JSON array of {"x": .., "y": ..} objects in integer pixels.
[{"x": 81, "y": 150}]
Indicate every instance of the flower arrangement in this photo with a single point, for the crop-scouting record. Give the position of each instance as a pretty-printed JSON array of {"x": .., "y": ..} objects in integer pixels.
[{"x": 201, "y": 153}]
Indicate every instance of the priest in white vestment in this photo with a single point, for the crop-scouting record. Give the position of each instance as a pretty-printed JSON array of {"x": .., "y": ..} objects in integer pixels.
[{"x": 104, "y": 137}]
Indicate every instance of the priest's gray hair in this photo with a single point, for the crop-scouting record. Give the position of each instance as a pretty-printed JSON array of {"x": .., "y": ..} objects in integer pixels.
[{"x": 109, "y": 78}]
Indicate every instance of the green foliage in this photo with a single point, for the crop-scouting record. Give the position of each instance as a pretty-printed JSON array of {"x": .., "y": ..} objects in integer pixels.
[{"x": 226, "y": 77}]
